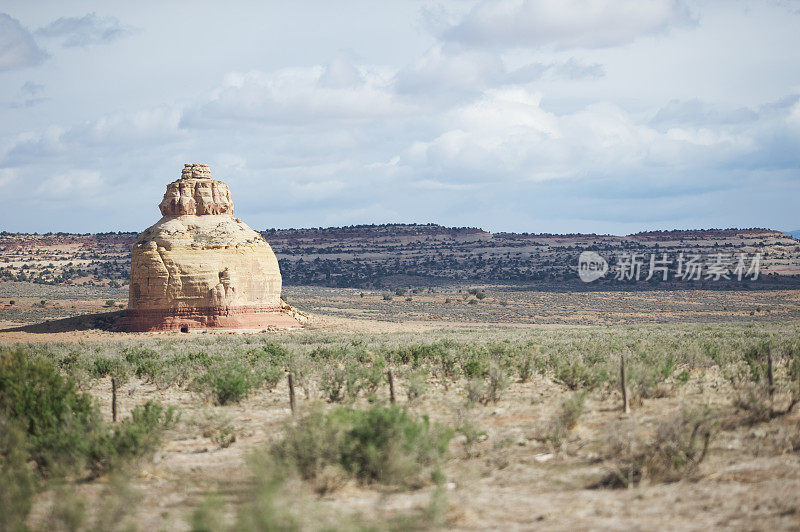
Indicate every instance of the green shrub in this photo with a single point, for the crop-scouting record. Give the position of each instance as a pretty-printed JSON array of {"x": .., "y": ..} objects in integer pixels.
[
  {"x": 134, "y": 437},
  {"x": 312, "y": 446},
  {"x": 58, "y": 420},
  {"x": 525, "y": 369},
  {"x": 46, "y": 420},
  {"x": 387, "y": 445},
  {"x": 382, "y": 444},
  {"x": 416, "y": 354},
  {"x": 271, "y": 354},
  {"x": 340, "y": 382},
  {"x": 755, "y": 356},
  {"x": 575, "y": 376},
  {"x": 108, "y": 367},
  {"x": 488, "y": 387},
  {"x": 332, "y": 383},
  {"x": 447, "y": 366},
  {"x": 271, "y": 376},
  {"x": 373, "y": 376},
  {"x": 354, "y": 380},
  {"x": 325, "y": 353},
  {"x": 17, "y": 482},
  {"x": 113, "y": 507},
  {"x": 229, "y": 381},
  {"x": 473, "y": 368},
  {"x": 145, "y": 363},
  {"x": 200, "y": 358},
  {"x": 477, "y": 292},
  {"x": 647, "y": 381}
]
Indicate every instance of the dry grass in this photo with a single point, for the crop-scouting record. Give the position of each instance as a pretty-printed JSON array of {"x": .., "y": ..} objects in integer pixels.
[{"x": 687, "y": 425}]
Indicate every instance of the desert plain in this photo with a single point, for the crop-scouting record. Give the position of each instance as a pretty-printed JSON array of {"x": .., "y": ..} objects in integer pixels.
[{"x": 522, "y": 387}]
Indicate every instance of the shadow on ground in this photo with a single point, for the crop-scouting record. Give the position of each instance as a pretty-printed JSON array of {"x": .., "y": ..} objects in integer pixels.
[{"x": 104, "y": 321}]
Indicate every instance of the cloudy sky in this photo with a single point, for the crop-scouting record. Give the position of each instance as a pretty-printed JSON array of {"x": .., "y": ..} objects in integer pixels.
[{"x": 607, "y": 116}]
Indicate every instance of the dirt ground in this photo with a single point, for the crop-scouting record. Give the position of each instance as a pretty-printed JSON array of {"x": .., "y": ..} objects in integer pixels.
[
  {"x": 511, "y": 479},
  {"x": 69, "y": 314}
]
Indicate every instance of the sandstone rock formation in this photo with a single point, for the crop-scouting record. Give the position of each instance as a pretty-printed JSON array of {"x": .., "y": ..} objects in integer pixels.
[{"x": 199, "y": 267}]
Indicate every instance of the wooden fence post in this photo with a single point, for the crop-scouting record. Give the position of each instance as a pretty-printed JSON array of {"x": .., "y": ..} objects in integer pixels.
[
  {"x": 291, "y": 392},
  {"x": 391, "y": 386},
  {"x": 626, "y": 406},
  {"x": 770, "y": 376},
  {"x": 113, "y": 399}
]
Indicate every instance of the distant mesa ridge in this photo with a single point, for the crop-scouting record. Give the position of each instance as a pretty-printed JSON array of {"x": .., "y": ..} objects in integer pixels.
[{"x": 375, "y": 256}]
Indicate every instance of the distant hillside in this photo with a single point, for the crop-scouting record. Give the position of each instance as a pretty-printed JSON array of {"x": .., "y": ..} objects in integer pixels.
[
  {"x": 389, "y": 255},
  {"x": 408, "y": 254}
]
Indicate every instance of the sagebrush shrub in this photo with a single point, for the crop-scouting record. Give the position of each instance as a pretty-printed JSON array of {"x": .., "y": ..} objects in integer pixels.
[
  {"x": 59, "y": 421},
  {"x": 382, "y": 444},
  {"x": 565, "y": 419},
  {"x": 134, "y": 437},
  {"x": 575, "y": 376},
  {"x": 229, "y": 381},
  {"x": 271, "y": 354},
  {"x": 17, "y": 482},
  {"x": 332, "y": 383},
  {"x": 675, "y": 451},
  {"x": 44, "y": 419},
  {"x": 145, "y": 363},
  {"x": 416, "y": 385}
]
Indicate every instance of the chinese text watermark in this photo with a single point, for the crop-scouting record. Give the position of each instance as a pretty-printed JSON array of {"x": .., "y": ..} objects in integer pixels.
[{"x": 666, "y": 266}]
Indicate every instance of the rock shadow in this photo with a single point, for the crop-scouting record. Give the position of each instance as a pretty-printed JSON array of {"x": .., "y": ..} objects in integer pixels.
[{"x": 104, "y": 321}]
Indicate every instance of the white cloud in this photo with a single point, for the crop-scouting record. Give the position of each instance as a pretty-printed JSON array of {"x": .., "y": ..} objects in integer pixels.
[
  {"x": 132, "y": 130},
  {"x": 566, "y": 23},
  {"x": 449, "y": 74},
  {"x": 32, "y": 146},
  {"x": 701, "y": 136},
  {"x": 794, "y": 114},
  {"x": 84, "y": 31},
  {"x": 7, "y": 176},
  {"x": 298, "y": 96},
  {"x": 508, "y": 137},
  {"x": 341, "y": 73},
  {"x": 492, "y": 138},
  {"x": 444, "y": 68},
  {"x": 18, "y": 49},
  {"x": 74, "y": 184},
  {"x": 135, "y": 128}
]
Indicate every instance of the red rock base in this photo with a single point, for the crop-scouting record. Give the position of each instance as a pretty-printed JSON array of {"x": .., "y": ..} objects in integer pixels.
[{"x": 201, "y": 318}]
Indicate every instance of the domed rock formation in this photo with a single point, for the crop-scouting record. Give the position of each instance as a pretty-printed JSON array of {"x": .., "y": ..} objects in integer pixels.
[{"x": 199, "y": 267}]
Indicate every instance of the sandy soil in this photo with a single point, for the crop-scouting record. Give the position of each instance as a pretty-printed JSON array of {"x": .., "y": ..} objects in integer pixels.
[
  {"x": 510, "y": 481},
  {"x": 513, "y": 480}
]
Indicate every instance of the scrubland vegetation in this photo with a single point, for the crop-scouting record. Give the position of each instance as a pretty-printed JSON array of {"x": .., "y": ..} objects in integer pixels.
[{"x": 475, "y": 412}]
